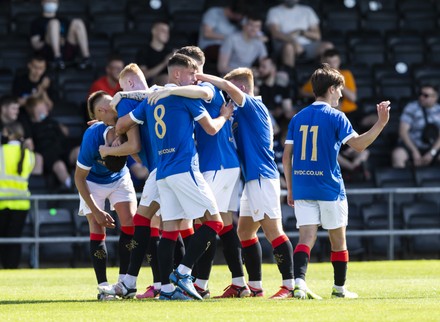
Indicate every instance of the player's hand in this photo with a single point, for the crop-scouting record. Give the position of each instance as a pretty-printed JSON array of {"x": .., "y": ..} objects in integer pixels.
[
  {"x": 91, "y": 122},
  {"x": 104, "y": 151},
  {"x": 158, "y": 94},
  {"x": 383, "y": 112},
  {"x": 115, "y": 100},
  {"x": 290, "y": 201},
  {"x": 227, "y": 110},
  {"x": 117, "y": 141},
  {"x": 104, "y": 219}
]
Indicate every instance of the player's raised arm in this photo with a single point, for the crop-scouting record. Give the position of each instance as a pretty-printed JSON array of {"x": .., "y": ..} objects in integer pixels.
[
  {"x": 212, "y": 126},
  {"x": 138, "y": 95},
  {"x": 189, "y": 91},
  {"x": 235, "y": 93}
]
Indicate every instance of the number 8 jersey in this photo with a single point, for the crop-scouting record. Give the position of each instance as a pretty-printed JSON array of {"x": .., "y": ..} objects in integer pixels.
[{"x": 317, "y": 133}]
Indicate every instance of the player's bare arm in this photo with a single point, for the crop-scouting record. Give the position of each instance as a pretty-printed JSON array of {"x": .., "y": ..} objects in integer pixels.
[
  {"x": 130, "y": 146},
  {"x": 124, "y": 124},
  {"x": 212, "y": 126},
  {"x": 102, "y": 218},
  {"x": 189, "y": 91},
  {"x": 361, "y": 142},
  {"x": 235, "y": 93},
  {"x": 287, "y": 165},
  {"x": 139, "y": 95}
]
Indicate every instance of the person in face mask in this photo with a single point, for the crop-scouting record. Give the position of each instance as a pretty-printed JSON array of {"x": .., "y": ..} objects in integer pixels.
[
  {"x": 294, "y": 29},
  {"x": 59, "y": 39}
]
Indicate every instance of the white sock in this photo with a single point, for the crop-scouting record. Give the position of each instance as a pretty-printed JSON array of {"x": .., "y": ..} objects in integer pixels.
[
  {"x": 300, "y": 283},
  {"x": 157, "y": 286},
  {"x": 104, "y": 284},
  {"x": 256, "y": 284},
  {"x": 203, "y": 284},
  {"x": 121, "y": 277},
  {"x": 167, "y": 288},
  {"x": 182, "y": 269},
  {"x": 289, "y": 284},
  {"x": 130, "y": 281},
  {"x": 339, "y": 288},
  {"x": 239, "y": 281}
]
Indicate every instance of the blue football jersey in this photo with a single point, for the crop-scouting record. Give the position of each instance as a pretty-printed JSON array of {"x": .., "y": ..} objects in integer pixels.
[
  {"x": 253, "y": 134},
  {"x": 317, "y": 133},
  {"x": 147, "y": 153},
  {"x": 90, "y": 159},
  {"x": 215, "y": 151},
  {"x": 171, "y": 126}
]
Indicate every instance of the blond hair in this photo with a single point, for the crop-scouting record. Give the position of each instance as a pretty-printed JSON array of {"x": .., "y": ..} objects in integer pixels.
[{"x": 244, "y": 76}]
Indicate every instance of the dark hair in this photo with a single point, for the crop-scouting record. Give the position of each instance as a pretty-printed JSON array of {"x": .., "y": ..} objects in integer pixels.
[
  {"x": 15, "y": 129},
  {"x": 432, "y": 85},
  {"x": 91, "y": 101},
  {"x": 194, "y": 52},
  {"x": 38, "y": 57},
  {"x": 325, "y": 77},
  {"x": 182, "y": 61},
  {"x": 115, "y": 163},
  {"x": 114, "y": 56},
  {"x": 7, "y": 100},
  {"x": 330, "y": 53}
]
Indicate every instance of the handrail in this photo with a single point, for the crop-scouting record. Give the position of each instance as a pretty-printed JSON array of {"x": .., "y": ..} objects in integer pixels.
[{"x": 390, "y": 232}]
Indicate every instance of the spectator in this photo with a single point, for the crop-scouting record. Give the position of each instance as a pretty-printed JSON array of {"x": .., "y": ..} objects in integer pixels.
[
  {"x": 347, "y": 103},
  {"x": 354, "y": 165},
  {"x": 244, "y": 48},
  {"x": 49, "y": 138},
  {"x": 275, "y": 90},
  {"x": 295, "y": 32},
  {"x": 218, "y": 23},
  {"x": 58, "y": 38},
  {"x": 413, "y": 145},
  {"x": 153, "y": 59},
  {"x": 110, "y": 81},
  {"x": 35, "y": 82},
  {"x": 17, "y": 164}
]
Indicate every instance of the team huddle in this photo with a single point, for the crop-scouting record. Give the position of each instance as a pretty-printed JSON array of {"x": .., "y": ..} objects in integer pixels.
[{"x": 196, "y": 146}]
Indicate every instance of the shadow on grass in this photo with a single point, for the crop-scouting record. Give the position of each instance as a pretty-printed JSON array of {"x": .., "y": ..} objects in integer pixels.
[{"x": 44, "y": 301}]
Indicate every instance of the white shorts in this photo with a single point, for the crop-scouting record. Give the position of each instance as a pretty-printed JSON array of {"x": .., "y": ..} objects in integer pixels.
[
  {"x": 150, "y": 192},
  {"x": 329, "y": 214},
  {"x": 222, "y": 184},
  {"x": 185, "y": 196},
  {"x": 234, "y": 204},
  {"x": 261, "y": 197},
  {"x": 118, "y": 191}
]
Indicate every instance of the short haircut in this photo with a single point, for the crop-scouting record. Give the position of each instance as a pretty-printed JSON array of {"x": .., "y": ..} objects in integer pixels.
[
  {"x": 330, "y": 53},
  {"x": 325, "y": 77},
  {"x": 33, "y": 101},
  {"x": 92, "y": 100},
  {"x": 432, "y": 85},
  {"x": 115, "y": 163},
  {"x": 242, "y": 75},
  {"x": 131, "y": 69},
  {"x": 114, "y": 56},
  {"x": 37, "y": 57},
  {"x": 184, "y": 61},
  {"x": 194, "y": 52},
  {"x": 6, "y": 100}
]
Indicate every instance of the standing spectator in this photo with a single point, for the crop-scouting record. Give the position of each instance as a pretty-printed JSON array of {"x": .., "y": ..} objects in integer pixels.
[
  {"x": 16, "y": 163},
  {"x": 110, "y": 81},
  {"x": 218, "y": 23},
  {"x": 49, "y": 138},
  {"x": 244, "y": 48},
  {"x": 275, "y": 90},
  {"x": 413, "y": 144},
  {"x": 58, "y": 38},
  {"x": 153, "y": 58},
  {"x": 35, "y": 82},
  {"x": 314, "y": 182},
  {"x": 295, "y": 32}
]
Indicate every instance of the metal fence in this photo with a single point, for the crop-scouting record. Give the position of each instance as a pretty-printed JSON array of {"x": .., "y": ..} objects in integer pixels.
[{"x": 391, "y": 232}]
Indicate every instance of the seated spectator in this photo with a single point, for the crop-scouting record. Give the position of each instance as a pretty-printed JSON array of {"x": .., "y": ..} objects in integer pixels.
[
  {"x": 153, "y": 58},
  {"x": 413, "y": 146},
  {"x": 275, "y": 90},
  {"x": 243, "y": 48},
  {"x": 17, "y": 163},
  {"x": 50, "y": 141},
  {"x": 110, "y": 81},
  {"x": 58, "y": 38},
  {"x": 218, "y": 23},
  {"x": 295, "y": 32},
  {"x": 354, "y": 165},
  {"x": 35, "y": 82}
]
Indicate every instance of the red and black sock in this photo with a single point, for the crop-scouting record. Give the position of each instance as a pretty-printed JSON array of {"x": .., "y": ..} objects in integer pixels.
[
  {"x": 232, "y": 250},
  {"x": 339, "y": 261},
  {"x": 253, "y": 258},
  {"x": 165, "y": 252},
  {"x": 179, "y": 251},
  {"x": 283, "y": 254},
  {"x": 124, "y": 248},
  {"x": 186, "y": 236},
  {"x": 301, "y": 258},
  {"x": 201, "y": 240},
  {"x": 98, "y": 254},
  {"x": 152, "y": 254},
  {"x": 139, "y": 243}
]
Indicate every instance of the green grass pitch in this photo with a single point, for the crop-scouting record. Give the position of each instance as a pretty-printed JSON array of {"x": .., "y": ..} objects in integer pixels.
[{"x": 388, "y": 290}]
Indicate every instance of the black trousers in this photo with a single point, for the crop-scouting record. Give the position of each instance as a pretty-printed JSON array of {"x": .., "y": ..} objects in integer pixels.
[{"x": 11, "y": 225}]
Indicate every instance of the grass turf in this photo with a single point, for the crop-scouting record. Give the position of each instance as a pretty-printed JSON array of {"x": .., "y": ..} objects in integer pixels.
[{"x": 389, "y": 291}]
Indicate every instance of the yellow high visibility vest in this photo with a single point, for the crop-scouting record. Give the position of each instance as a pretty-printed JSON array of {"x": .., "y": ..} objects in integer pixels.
[{"x": 11, "y": 183}]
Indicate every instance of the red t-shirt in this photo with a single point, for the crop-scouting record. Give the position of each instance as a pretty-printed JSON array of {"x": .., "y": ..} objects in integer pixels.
[{"x": 103, "y": 84}]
